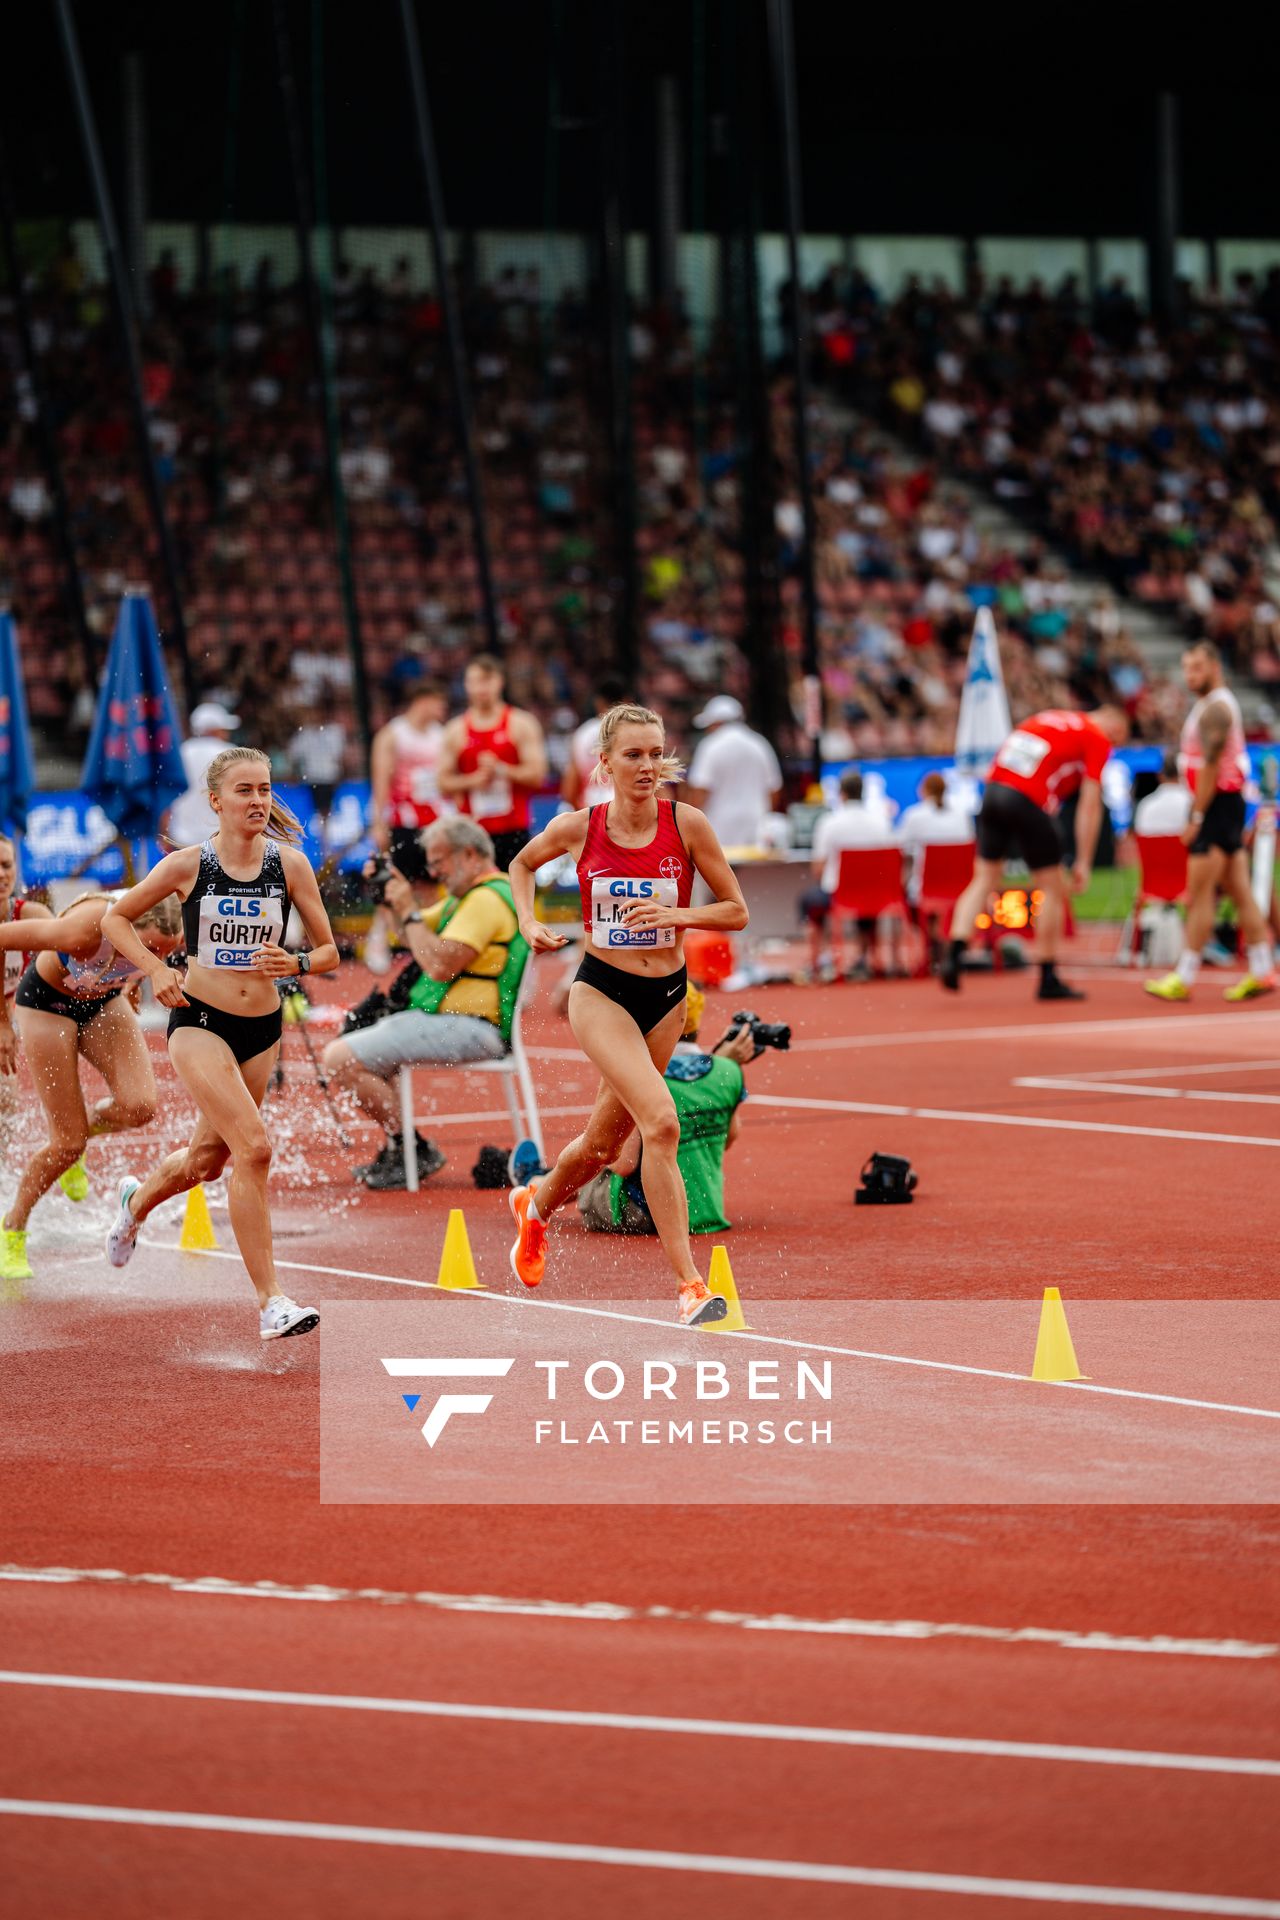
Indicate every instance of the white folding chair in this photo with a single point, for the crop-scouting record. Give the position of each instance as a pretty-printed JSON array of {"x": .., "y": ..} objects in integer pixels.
[{"x": 517, "y": 1084}]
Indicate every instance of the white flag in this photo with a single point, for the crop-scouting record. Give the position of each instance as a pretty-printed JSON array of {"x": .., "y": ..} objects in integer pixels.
[{"x": 984, "y": 724}]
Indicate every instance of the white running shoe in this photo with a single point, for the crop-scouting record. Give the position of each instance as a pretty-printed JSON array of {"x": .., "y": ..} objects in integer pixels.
[
  {"x": 282, "y": 1316},
  {"x": 123, "y": 1237},
  {"x": 377, "y": 946}
]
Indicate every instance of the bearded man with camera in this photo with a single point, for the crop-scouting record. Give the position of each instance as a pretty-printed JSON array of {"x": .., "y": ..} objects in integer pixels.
[{"x": 708, "y": 1089}]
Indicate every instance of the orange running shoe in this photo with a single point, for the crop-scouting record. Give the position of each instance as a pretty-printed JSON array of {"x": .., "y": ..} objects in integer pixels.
[
  {"x": 529, "y": 1254},
  {"x": 697, "y": 1306}
]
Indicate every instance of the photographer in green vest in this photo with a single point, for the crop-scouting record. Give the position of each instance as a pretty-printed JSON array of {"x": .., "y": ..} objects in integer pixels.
[
  {"x": 708, "y": 1090},
  {"x": 472, "y": 955}
]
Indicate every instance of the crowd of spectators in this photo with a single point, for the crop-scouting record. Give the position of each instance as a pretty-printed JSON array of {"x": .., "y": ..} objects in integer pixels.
[
  {"x": 1151, "y": 458},
  {"x": 1149, "y": 455}
]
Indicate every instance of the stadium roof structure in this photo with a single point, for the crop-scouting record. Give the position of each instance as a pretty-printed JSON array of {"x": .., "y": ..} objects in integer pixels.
[{"x": 1004, "y": 119}]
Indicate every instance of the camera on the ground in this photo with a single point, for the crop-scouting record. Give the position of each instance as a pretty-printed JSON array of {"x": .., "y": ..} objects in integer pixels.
[
  {"x": 888, "y": 1180},
  {"x": 764, "y": 1033}
]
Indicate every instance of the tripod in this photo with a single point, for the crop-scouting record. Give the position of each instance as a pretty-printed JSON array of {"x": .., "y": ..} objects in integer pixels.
[{"x": 288, "y": 990}]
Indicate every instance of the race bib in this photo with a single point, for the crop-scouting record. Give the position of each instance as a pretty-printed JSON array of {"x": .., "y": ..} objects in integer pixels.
[
  {"x": 12, "y": 974},
  {"x": 610, "y": 899},
  {"x": 233, "y": 928},
  {"x": 491, "y": 802},
  {"x": 1022, "y": 753}
]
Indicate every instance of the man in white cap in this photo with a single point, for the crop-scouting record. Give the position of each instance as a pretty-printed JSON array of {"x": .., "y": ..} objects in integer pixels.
[
  {"x": 191, "y": 819},
  {"x": 734, "y": 777}
]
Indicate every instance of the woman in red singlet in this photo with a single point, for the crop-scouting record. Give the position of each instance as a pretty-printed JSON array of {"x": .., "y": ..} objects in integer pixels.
[
  {"x": 12, "y": 907},
  {"x": 637, "y": 857}
]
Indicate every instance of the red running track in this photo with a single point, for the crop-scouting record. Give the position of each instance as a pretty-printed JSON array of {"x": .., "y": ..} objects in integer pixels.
[{"x": 152, "y": 1437}]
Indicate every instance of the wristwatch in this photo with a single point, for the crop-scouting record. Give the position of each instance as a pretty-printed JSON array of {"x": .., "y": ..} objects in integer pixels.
[{"x": 304, "y": 962}]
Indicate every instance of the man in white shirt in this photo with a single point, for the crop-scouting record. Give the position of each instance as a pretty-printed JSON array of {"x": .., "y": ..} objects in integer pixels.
[
  {"x": 191, "y": 819},
  {"x": 855, "y": 823},
  {"x": 734, "y": 776},
  {"x": 1167, "y": 808}
]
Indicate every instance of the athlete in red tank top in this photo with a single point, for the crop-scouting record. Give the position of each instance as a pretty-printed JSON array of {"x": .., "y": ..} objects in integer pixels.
[
  {"x": 615, "y": 877},
  {"x": 500, "y": 806},
  {"x": 14, "y": 965},
  {"x": 636, "y": 859},
  {"x": 492, "y": 759}
]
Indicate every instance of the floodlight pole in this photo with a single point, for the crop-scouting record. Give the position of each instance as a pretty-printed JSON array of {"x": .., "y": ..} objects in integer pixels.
[
  {"x": 782, "y": 46},
  {"x": 454, "y": 345},
  {"x": 128, "y": 339},
  {"x": 320, "y": 329},
  {"x": 613, "y": 290},
  {"x": 73, "y": 584},
  {"x": 1162, "y": 244}
]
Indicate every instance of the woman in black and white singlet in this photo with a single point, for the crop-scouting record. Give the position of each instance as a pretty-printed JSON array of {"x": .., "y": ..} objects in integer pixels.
[{"x": 224, "y": 1015}]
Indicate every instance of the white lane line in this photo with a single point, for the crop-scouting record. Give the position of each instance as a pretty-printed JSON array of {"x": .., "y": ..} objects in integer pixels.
[
  {"x": 730, "y": 1865},
  {"x": 860, "y": 1737},
  {"x": 1143, "y": 1090},
  {"x": 887, "y": 1110},
  {"x": 526, "y": 1302},
  {"x": 962, "y": 1117},
  {"x": 1170, "y": 1073},
  {"x": 1040, "y": 1030},
  {"x": 613, "y": 1613}
]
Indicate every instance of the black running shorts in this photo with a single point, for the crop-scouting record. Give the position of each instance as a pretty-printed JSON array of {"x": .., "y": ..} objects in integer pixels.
[
  {"x": 247, "y": 1035},
  {"x": 35, "y": 992},
  {"x": 1009, "y": 822},
  {"x": 647, "y": 997},
  {"x": 1222, "y": 826}
]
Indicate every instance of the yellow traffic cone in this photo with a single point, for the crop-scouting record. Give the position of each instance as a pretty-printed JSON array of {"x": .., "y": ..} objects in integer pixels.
[
  {"x": 1055, "y": 1356},
  {"x": 720, "y": 1280},
  {"x": 197, "y": 1234},
  {"x": 457, "y": 1268}
]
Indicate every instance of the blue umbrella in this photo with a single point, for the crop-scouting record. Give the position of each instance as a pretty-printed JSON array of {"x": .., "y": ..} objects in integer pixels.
[
  {"x": 133, "y": 767},
  {"x": 17, "y": 775}
]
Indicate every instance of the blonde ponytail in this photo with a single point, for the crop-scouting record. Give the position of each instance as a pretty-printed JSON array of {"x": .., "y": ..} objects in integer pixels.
[
  {"x": 282, "y": 822},
  {"x": 670, "y": 769}
]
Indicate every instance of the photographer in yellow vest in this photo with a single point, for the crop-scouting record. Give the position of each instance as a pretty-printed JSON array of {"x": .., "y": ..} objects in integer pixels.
[{"x": 472, "y": 955}]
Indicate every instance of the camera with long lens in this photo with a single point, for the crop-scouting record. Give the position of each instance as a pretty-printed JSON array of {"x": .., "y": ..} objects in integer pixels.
[
  {"x": 379, "y": 872},
  {"x": 764, "y": 1033}
]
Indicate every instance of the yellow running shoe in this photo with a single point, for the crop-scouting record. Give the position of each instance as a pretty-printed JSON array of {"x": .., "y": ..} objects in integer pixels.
[
  {"x": 75, "y": 1182},
  {"x": 14, "y": 1264},
  {"x": 1250, "y": 987},
  {"x": 1172, "y": 987}
]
